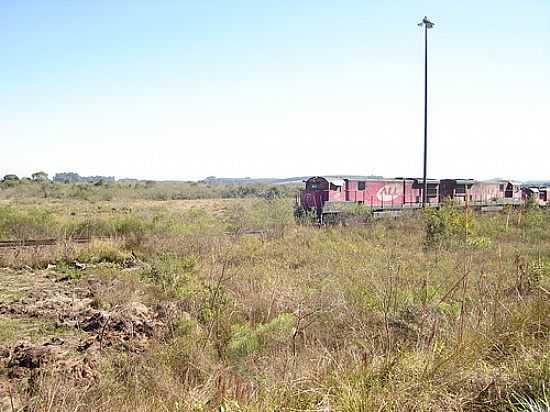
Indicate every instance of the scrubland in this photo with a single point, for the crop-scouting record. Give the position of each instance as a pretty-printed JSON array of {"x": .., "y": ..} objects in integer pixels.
[{"x": 233, "y": 306}]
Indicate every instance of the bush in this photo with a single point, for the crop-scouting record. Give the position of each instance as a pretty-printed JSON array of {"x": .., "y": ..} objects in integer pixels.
[
  {"x": 172, "y": 273},
  {"x": 18, "y": 224},
  {"x": 448, "y": 224},
  {"x": 131, "y": 227},
  {"x": 98, "y": 252},
  {"x": 245, "y": 340}
]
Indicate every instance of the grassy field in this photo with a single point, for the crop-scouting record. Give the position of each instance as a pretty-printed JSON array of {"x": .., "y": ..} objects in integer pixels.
[
  {"x": 142, "y": 190},
  {"x": 182, "y": 310}
]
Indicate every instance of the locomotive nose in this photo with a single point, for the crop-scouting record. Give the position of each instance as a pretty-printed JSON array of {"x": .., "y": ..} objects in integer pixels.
[{"x": 308, "y": 200}]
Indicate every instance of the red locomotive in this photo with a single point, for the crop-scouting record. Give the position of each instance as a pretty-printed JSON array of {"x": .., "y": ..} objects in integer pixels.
[{"x": 324, "y": 195}]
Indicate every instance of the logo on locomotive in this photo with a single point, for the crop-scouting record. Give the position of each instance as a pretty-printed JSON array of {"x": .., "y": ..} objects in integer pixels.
[{"x": 389, "y": 192}]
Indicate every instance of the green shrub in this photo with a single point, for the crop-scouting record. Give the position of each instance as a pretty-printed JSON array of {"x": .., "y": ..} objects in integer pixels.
[
  {"x": 25, "y": 224},
  {"x": 246, "y": 341},
  {"x": 448, "y": 224},
  {"x": 172, "y": 273},
  {"x": 99, "y": 251},
  {"x": 131, "y": 227}
]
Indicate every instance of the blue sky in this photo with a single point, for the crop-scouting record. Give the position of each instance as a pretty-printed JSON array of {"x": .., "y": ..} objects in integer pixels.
[{"x": 183, "y": 90}]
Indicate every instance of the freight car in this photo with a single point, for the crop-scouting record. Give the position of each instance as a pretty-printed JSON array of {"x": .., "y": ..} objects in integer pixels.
[
  {"x": 481, "y": 192},
  {"x": 326, "y": 196},
  {"x": 539, "y": 195}
]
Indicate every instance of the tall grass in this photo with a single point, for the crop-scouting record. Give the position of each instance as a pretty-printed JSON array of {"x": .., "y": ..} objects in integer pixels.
[
  {"x": 409, "y": 314},
  {"x": 157, "y": 191}
]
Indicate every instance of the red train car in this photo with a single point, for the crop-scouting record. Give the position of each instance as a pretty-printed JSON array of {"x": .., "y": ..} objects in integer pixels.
[
  {"x": 470, "y": 191},
  {"x": 321, "y": 193},
  {"x": 541, "y": 195},
  {"x": 325, "y": 195}
]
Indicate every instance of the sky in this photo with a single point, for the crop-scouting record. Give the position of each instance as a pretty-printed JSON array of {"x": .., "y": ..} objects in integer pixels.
[{"x": 187, "y": 89}]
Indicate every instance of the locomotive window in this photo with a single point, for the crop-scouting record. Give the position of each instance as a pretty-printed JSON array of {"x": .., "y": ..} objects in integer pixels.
[
  {"x": 361, "y": 185},
  {"x": 501, "y": 188}
]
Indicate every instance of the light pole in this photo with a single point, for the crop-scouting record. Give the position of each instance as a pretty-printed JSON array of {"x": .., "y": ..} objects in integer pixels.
[{"x": 427, "y": 25}]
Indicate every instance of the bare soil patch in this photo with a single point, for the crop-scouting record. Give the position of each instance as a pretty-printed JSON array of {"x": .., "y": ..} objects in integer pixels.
[{"x": 50, "y": 322}]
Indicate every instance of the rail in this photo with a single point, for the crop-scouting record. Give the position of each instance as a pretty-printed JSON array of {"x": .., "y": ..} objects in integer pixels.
[
  {"x": 47, "y": 242},
  {"x": 87, "y": 239}
]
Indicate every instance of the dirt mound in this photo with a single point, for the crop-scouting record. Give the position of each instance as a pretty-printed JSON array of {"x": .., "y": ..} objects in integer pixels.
[
  {"x": 76, "y": 356},
  {"x": 133, "y": 319},
  {"x": 38, "y": 294},
  {"x": 81, "y": 331},
  {"x": 127, "y": 327}
]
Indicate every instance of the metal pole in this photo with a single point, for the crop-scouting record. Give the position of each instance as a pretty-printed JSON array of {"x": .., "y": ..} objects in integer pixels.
[{"x": 425, "y": 191}]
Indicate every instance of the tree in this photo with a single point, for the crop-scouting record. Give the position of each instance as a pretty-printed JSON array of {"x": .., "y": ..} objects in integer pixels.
[
  {"x": 40, "y": 176},
  {"x": 11, "y": 178}
]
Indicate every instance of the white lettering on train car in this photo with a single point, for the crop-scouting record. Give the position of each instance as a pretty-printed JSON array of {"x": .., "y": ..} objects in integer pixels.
[{"x": 389, "y": 192}]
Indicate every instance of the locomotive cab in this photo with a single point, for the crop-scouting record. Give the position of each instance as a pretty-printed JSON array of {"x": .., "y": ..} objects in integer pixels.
[
  {"x": 512, "y": 190},
  {"x": 318, "y": 191}
]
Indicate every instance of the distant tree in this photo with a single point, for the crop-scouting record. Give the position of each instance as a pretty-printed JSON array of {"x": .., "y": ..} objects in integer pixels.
[
  {"x": 271, "y": 193},
  {"x": 10, "y": 178},
  {"x": 95, "y": 179},
  {"x": 40, "y": 176}
]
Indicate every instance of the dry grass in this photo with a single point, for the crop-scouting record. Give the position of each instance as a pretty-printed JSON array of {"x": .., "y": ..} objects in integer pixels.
[{"x": 330, "y": 319}]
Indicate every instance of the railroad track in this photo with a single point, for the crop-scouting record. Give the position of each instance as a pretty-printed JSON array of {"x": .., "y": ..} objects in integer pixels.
[
  {"x": 86, "y": 239},
  {"x": 44, "y": 242}
]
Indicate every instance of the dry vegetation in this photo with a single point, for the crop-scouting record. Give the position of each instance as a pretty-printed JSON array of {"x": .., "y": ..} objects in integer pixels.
[
  {"x": 183, "y": 311},
  {"x": 142, "y": 190}
]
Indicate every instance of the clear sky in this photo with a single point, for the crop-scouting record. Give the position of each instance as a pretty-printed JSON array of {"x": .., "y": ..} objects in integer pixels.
[{"x": 186, "y": 89}]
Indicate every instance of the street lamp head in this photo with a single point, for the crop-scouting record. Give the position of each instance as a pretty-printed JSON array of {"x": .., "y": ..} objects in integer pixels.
[{"x": 426, "y": 22}]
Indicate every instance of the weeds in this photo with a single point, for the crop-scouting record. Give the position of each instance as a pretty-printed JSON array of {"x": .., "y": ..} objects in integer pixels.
[
  {"x": 27, "y": 224},
  {"x": 447, "y": 311},
  {"x": 246, "y": 341}
]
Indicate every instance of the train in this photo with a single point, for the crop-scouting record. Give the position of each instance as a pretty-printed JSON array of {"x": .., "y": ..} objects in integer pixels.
[{"x": 324, "y": 196}]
